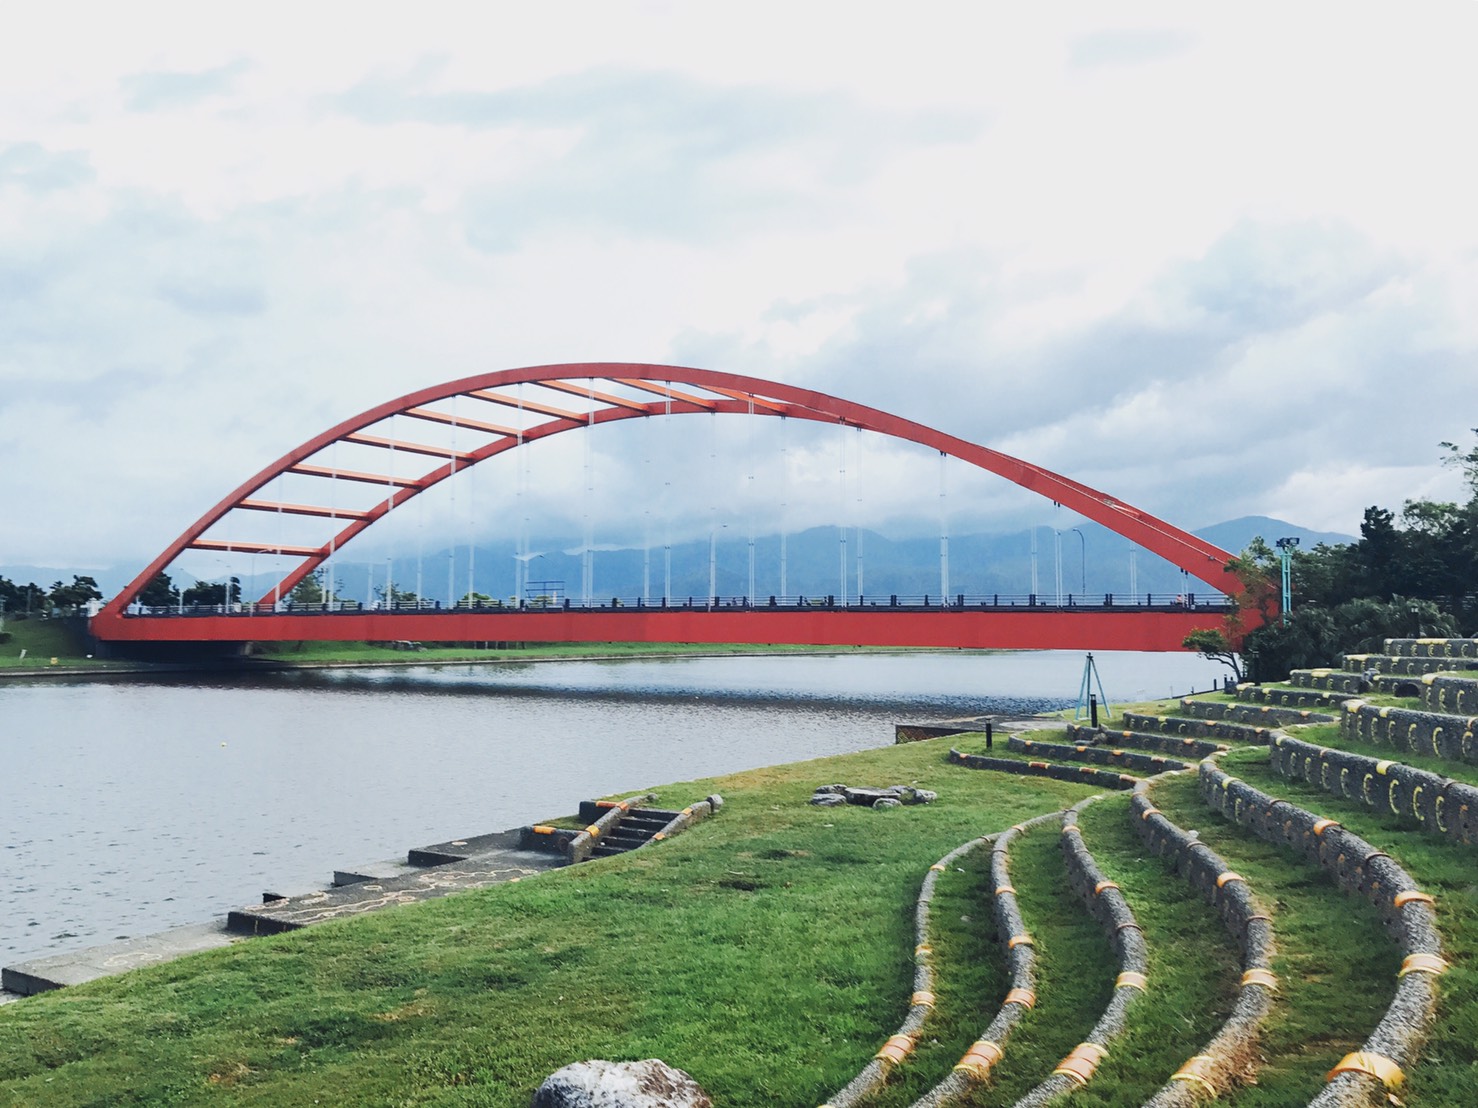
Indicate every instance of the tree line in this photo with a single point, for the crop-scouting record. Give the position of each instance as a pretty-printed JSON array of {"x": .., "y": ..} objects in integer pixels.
[{"x": 1412, "y": 575}]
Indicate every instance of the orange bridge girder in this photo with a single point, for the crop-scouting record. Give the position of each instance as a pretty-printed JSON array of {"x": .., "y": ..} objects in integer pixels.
[{"x": 656, "y": 396}]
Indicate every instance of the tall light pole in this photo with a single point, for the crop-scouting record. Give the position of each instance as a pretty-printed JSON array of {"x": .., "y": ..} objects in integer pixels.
[
  {"x": 1083, "y": 561},
  {"x": 1285, "y": 557}
]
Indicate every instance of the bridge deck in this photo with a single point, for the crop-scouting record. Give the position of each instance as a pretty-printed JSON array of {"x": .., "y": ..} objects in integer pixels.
[{"x": 1100, "y": 628}]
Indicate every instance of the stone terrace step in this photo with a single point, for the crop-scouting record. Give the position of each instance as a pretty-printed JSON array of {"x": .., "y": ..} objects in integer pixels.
[
  {"x": 1289, "y": 698},
  {"x": 1432, "y": 648},
  {"x": 1454, "y": 695},
  {"x": 1259, "y": 715},
  {"x": 1145, "y": 740},
  {"x": 1099, "y": 755},
  {"x": 1197, "y": 728},
  {"x": 1406, "y": 729},
  {"x": 1390, "y": 664},
  {"x": 1086, "y": 775},
  {"x": 1331, "y": 680}
]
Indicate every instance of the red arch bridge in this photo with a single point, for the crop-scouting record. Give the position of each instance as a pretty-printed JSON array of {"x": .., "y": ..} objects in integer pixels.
[{"x": 497, "y": 413}]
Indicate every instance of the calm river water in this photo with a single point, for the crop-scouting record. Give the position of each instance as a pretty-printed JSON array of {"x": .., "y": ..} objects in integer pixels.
[{"x": 130, "y": 806}]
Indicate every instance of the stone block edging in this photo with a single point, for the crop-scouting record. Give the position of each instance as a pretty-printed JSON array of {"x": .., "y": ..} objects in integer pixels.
[
  {"x": 1099, "y": 755},
  {"x": 1194, "y": 727},
  {"x": 1412, "y": 731},
  {"x": 1261, "y": 715},
  {"x": 582, "y": 845},
  {"x": 1106, "y": 904},
  {"x": 1289, "y": 698},
  {"x": 1366, "y": 1077},
  {"x": 1438, "y": 805},
  {"x": 1086, "y": 775},
  {"x": 693, "y": 813},
  {"x": 1226, "y": 1059},
  {"x": 1432, "y": 648},
  {"x": 1453, "y": 695},
  {"x": 975, "y": 1066},
  {"x": 1146, "y": 740}
]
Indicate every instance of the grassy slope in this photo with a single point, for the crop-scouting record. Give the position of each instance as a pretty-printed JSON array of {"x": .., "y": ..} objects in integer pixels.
[{"x": 768, "y": 952}]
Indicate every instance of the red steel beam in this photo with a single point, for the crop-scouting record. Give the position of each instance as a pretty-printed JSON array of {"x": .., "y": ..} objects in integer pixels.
[{"x": 1024, "y": 630}]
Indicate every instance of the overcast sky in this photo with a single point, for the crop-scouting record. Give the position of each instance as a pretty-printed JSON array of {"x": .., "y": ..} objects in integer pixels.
[{"x": 1217, "y": 263}]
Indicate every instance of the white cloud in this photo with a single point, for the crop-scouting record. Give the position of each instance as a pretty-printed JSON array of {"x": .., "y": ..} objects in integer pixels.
[{"x": 1215, "y": 270}]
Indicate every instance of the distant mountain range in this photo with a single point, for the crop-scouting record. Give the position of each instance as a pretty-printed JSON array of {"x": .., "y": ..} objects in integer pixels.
[{"x": 1094, "y": 561}]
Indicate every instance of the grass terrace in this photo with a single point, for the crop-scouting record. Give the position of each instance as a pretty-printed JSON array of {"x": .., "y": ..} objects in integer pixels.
[{"x": 770, "y": 952}]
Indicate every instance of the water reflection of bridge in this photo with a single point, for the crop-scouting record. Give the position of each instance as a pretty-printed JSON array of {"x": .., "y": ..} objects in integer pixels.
[{"x": 551, "y": 400}]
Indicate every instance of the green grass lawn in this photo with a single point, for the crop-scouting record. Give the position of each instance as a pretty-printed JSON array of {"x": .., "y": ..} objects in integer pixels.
[{"x": 769, "y": 952}]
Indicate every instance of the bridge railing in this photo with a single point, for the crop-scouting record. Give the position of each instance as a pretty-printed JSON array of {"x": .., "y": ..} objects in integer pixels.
[{"x": 958, "y": 602}]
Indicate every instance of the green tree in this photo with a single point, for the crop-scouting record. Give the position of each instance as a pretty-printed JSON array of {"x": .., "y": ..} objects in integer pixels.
[
  {"x": 1213, "y": 645},
  {"x": 160, "y": 592},
  {"x": 71, "y": 598}
]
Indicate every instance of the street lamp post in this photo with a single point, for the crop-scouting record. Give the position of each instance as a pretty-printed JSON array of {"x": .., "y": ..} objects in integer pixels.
[{"x": 1083, "y": 561}]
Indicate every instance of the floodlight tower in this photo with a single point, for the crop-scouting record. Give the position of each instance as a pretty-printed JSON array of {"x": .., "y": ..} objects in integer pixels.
[{"x": 1285, "y": 557}]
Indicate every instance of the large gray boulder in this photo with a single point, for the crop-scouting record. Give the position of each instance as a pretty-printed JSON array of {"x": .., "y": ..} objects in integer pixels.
[{"x": 600, "y": 1084}]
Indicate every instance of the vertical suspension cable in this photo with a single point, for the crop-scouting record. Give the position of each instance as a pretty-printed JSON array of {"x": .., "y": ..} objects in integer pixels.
[
  {"x": 784, "y": 496},
  {"x": 842, "y": 520},
  {"x": 471, "y": 499},
  {"x": 451, "y": 553},
  {"x": 857, "y": 518},
  {"x": 749, "y": 495},
  {"x": 420, "y": 544},
  {"x": 587, "y": 569},
  {"x": 521, "y": 539},
  {"x": 943, "y": 529},
  {"x": 713, "y": 511},
  {"x": 333, "y": 516},
  {"x": 667, "y": 498},
  {"x": 389, "y": 510},
  {"x": 277, "y": 577}
]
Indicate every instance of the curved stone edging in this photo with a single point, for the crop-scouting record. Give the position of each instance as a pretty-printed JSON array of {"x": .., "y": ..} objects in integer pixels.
[
  {"x": 1365, "y": 1077},
  {"x": 1414, "y": 732},
  {"x": 1147, "y": 740},
  {"x": 693, "y": 813},
  {"x": 901, "y": 1044},
  {"x": 1250, "y": 693},
  {"x": 1086, "y": 775},
  {"x": 1195, "y": 727},
  {"x": 1228, "y": 1057},
  {"x": 1438, "y": 805},
  {"x": 1264, "y": 715},
  {"x": 582, "y": 845},
  {"x": 1444, "y": 692},
  {"x": 975, "y": 1066},
  {"x": 1432, "y": 648},
  {"x": 1106, "y": 904},
  {"x": 1099, "y": 755}
]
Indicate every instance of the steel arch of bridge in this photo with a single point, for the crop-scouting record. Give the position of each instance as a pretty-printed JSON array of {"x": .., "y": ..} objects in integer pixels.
[{"x": 613, "y": 391}]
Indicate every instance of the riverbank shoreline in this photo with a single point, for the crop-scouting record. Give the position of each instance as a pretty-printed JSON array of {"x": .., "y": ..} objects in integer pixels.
[{"x": 101, "y": 668}]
